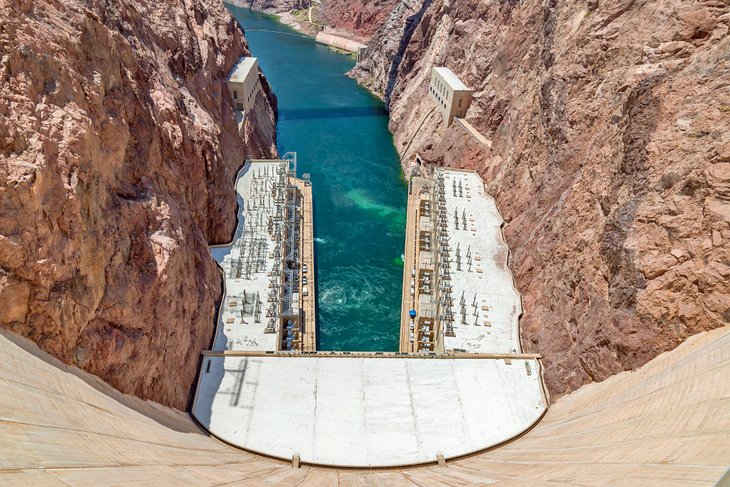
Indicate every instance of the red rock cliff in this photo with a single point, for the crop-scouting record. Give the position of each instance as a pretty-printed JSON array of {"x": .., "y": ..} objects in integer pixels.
[
  {"x": 271, "y": 6},
  {"x": 610, "y": 160},
  {"x": 118, "y": 150},
  {"x": 360, "y": 17}
]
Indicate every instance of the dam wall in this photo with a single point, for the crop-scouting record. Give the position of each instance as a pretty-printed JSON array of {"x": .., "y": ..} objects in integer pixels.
[{"x": 667, "y": 423}]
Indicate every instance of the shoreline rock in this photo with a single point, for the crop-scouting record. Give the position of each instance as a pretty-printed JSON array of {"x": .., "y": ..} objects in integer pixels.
[{"x": 356, "y": 21}]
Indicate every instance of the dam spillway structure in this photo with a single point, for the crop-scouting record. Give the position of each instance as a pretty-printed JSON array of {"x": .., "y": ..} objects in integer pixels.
[
  {"x": 422, "y": 405},
  {"x": 454, "y": 388}
]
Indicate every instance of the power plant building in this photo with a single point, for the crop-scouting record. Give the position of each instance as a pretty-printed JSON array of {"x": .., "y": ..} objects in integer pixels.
[
  {"x": 450, "y": 93},
  {"x": 243, "y": 83}
]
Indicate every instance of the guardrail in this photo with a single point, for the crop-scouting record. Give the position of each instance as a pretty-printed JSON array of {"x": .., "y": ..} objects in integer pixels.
[{"x": 410, "y": 355}]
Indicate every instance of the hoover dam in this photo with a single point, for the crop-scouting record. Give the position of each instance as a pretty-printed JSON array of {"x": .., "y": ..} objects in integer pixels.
[
  {"x": 663, "y": 424},
  {"x": 249, "y": 269},
  {"x": 262, "y": 389}
]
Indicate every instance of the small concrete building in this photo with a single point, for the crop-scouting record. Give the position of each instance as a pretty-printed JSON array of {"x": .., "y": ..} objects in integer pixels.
[
  {"x": 450, "y": 94},
  {"x": 243, "y": 84}
]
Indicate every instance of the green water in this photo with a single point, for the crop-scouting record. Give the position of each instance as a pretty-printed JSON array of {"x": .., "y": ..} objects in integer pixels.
[{"x": 340, "y": 134}]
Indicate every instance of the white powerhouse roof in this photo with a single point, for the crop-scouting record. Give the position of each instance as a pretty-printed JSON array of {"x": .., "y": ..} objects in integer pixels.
[
  {"x": 487, "y": 282},
  {"x": 451, "y": 79},
  {"x": 255, "y": 206},
  {"x": 239, "y": 73},
  {"x": 362, "y": 412}
]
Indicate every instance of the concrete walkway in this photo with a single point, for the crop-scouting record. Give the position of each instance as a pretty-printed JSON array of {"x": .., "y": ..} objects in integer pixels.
[
  {"x": 309, "y": 302},
  {"x": 473, "y": 132},
  {"x": 408, "y": 301}
]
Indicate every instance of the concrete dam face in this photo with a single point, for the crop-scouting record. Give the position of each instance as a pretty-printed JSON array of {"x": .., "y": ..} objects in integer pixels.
[{"x": 666, "y": 423}]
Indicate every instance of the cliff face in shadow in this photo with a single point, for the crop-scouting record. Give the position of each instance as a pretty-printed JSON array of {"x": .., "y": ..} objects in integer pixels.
[
  {"x": 610, "y": 161},
  {"x": 378, "y": 69},
  {"x": 118, "y": 150}
]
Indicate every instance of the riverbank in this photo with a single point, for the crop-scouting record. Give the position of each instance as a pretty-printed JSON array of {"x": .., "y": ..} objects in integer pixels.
[
  {"x": 299, "y": 21},
  {"x": 306, "y": 20}
]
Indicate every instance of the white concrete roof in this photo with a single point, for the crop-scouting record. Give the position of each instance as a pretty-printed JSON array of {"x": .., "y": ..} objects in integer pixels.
[
  {"x": 241, "y": 70},
  {"x": 451, "y": 79},
  {"x": 367, "y": 411},
  {"x": 372, "y": 412},
  {"x": 489, "y": 279},
  {"x": 254, "y": 207}
]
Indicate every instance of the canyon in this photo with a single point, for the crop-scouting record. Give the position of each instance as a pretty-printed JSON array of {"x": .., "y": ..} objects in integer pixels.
[
  {"x": 609, "y": 157},
  {"x": 608, "y": 154},
  {"x": 604, "y": 142},
  {"x": 118, "y": 150}
]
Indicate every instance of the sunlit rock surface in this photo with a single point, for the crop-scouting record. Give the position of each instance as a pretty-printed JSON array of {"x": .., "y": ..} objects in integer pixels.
[
  {"x": 118, "y": 148},
  {"x": 610, "y": 160}
]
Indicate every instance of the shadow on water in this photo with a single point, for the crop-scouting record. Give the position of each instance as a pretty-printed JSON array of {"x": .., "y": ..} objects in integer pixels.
[{"x": 334, "y": 112}]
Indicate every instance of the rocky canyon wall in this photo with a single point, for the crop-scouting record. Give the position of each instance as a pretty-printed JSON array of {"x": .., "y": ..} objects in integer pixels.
[
  {"x": 609, "y": 125},
  {"x": 356, "y": 18},
  {"x": 359, "y": 17},
  {"x": 271, "y": 6},
  {"x": 118, "y": 151}
]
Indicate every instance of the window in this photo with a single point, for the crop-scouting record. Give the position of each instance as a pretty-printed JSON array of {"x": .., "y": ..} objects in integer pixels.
[
  {"x": 235, "y": 94},
  {"x": 459, "y": 102}
]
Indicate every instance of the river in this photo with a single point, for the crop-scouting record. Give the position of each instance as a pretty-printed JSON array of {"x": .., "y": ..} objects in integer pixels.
[{"x": 340, "y": 134}]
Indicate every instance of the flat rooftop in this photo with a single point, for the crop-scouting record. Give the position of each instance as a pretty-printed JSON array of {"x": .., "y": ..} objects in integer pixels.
[
  {"x": 247, "y": 264},
  {"x": 451, "y": 79},
  {"x": 492, "y": 303},
  {"x": 351, "y": 410},
  {"x": 367, "y": 412},
  {"x": 241, "y": 70}
]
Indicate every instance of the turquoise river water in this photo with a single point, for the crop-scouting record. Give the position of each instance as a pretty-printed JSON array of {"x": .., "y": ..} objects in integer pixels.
[{"x": 340, "y": 134}]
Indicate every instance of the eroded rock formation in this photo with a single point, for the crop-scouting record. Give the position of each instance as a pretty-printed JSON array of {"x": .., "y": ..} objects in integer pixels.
[
  {"x": 610, "y": 161},
  {"x": 379, "y": 67},
  {"x": 360, "y": 17},
  {"x": 357, "y": 19},
  {"x": 271, "y": 6},
  {"x": 118, "y": 150}
]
